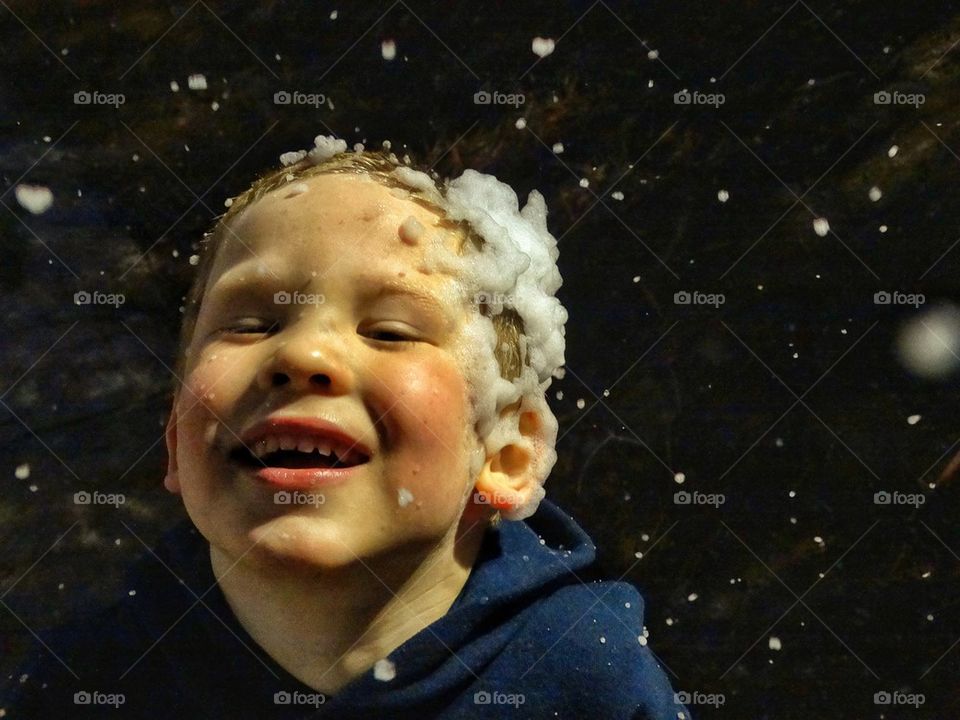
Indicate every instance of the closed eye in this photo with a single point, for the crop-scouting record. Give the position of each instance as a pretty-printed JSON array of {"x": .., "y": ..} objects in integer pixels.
[
  {"x": 251, "y": 328},
  {"x": 390, "y": 336}
]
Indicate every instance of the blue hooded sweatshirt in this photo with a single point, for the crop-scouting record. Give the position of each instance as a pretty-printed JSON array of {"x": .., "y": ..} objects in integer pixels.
[{"x": 529, "y": 636}]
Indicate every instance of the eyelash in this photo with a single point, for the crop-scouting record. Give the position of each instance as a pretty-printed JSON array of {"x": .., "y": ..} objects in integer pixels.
[{"x": 258, "y": 329}]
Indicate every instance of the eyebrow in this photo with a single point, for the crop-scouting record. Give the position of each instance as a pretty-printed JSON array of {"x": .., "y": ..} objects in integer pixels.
[
  {"x": 374, "y": 287},
  {"x": 386, "y": 286}
]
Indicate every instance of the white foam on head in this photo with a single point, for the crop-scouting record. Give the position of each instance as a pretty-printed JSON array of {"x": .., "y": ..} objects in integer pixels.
[
  {"x": 516, "y": 268},
  {"x": 325, "y": 147}
]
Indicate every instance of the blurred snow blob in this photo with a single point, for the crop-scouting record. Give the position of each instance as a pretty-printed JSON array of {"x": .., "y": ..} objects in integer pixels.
[
  {"x": 543, "y": 46},
  {"x": 929, "y": 343},
  {"x": 35, "y": 198}
]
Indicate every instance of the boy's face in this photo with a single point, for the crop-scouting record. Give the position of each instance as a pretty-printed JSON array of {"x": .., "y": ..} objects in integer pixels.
[{"x": 340, "y": 360}]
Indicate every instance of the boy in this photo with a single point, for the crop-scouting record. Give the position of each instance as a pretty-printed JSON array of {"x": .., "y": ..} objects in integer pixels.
[{"x": 361, "y": 398}]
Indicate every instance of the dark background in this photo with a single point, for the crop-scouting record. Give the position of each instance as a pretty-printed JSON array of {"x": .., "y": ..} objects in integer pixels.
[{"x": 708, "y": 392}]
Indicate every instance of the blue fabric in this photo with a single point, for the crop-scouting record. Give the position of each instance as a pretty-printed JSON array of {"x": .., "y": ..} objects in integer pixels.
[{"x": 529, "y": 636}]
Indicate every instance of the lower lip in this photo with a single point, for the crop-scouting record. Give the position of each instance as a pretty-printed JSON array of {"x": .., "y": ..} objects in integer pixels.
[{"x": 303, "y": 478}]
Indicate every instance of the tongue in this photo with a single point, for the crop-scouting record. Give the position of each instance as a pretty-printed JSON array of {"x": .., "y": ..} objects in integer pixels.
[{"x": 296, "y": 459}]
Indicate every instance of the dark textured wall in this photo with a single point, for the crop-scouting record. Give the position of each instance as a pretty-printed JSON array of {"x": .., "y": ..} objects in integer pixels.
[{"x": 788, "y": 398}]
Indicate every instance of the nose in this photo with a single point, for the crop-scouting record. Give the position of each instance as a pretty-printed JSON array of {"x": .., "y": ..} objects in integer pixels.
[{"x": 306, "y": 359}]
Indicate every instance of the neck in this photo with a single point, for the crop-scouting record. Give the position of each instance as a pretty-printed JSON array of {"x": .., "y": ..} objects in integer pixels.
[{"x": 328, "y": 626}]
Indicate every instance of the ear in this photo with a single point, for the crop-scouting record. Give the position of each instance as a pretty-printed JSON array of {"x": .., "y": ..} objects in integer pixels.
[
  {"x": 511, "y": 476},
  {"x": 172, "y": 481}
]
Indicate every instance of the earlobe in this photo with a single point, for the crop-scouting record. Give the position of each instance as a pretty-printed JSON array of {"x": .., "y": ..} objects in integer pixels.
[{"x": 172, "y": 481}]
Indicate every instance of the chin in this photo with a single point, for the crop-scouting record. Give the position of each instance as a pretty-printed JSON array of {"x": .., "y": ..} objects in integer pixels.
[{"x": 299, "y": 540}]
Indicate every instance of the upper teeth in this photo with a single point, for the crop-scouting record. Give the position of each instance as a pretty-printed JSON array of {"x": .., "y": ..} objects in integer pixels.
[{"x": 272, "y": 443}]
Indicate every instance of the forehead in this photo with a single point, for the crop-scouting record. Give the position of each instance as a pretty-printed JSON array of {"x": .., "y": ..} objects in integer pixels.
[
  {"x": 334, "y": 224},
  {"x": 338, "y": 205}
]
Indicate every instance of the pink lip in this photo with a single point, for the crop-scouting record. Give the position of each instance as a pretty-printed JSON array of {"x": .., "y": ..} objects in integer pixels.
[{"x": 303, "y": 478}]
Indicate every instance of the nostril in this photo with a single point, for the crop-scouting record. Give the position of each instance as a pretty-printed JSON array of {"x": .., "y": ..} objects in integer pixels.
[
  {"x": 280, "y": 379},
  {"x": 320, "y": 379}
]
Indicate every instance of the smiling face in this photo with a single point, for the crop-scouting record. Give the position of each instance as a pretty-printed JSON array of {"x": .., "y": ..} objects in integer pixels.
[{"x": 366, "y": 343}]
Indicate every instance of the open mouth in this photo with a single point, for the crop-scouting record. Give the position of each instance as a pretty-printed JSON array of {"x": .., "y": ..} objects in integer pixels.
[{"x": 295, "y": 459}]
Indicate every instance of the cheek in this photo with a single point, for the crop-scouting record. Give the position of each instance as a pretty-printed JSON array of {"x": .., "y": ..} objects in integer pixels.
[
  {"x": 430, "y": 420},
  {"x": 432, "y": 397},
  {"x": 207, "y": 392}
]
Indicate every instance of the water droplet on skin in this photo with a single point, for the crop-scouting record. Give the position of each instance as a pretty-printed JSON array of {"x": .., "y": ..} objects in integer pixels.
[{"x": 404, "y": 497}]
